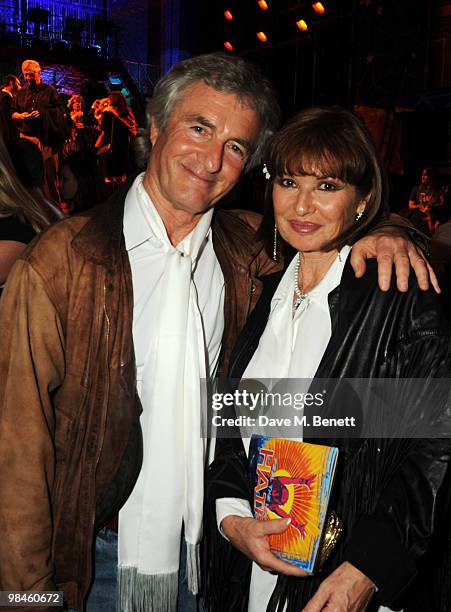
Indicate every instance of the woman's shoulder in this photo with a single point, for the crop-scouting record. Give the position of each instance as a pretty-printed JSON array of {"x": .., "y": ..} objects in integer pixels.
[{"x": 415, "y": 309}]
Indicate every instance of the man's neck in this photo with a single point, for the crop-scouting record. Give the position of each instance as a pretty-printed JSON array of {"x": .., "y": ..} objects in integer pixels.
[
  {"x": 178, "y": 223},
  {"x": 178, "y": 226}
]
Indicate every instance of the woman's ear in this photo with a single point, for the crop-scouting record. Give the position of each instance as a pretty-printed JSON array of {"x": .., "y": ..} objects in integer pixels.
[{"x": 362, "y": 205}]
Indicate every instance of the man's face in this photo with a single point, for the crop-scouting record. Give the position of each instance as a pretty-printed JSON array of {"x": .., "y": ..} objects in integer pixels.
[
  {"x": 200, "y": 154},
  {"x": 425, "y": 177},
  {"x": 32, "y": 75},
  {"x": 15, "y": 86}
]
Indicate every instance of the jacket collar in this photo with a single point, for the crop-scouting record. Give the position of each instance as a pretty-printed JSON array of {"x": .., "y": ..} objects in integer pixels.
[
  {"x": 234, "y": 239},
  {"x": 101, "y": 238}
]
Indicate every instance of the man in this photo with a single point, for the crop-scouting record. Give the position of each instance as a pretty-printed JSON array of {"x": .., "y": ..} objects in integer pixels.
[
  {"x": 39, "y": 113},
  {"x": 134, "y": 295},
  {"x": 425, "y": 201},
  {"x": 10, "y": 87}
]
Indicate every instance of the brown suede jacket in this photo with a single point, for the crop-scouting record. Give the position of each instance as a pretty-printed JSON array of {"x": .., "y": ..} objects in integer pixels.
[{"x": 67, "y": 386}]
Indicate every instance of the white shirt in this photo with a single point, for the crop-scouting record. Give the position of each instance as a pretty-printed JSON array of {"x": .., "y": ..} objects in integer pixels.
[{"x": 147, "y": 263}]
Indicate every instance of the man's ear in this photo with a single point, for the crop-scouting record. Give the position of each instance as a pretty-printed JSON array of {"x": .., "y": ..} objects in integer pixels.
[{"x": 154, "y": 131}]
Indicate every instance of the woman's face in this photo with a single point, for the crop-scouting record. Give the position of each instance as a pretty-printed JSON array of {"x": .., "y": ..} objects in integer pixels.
[
  {"x": 311, "y": 210},
  {"x": 76, "y": 106}
]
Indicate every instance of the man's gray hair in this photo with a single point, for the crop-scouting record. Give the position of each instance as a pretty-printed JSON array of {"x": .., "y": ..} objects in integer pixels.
[{"x": 225, "y": 73}]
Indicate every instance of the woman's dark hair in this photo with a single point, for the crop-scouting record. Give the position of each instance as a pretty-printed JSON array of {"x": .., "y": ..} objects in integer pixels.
[
  {"x": 118, "y": 102},
  {"x": 329, "y": 142}
]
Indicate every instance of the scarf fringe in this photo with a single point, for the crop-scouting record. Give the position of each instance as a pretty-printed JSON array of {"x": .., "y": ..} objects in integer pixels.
[
  {"x": 146, "y": 593},
  {"x": 193, "y": 567}
]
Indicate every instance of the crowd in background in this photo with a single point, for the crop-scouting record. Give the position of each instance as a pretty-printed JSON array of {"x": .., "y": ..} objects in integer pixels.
[
  {"x": 58, "y": 156},
  {"x": 68, "y": 141}
]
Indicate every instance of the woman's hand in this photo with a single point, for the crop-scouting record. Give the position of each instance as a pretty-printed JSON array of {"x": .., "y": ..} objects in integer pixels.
[
  {"x": 250, "y": 536},
  {"x": 345, "y": 590},
  {"x": 390, "y": 248}
]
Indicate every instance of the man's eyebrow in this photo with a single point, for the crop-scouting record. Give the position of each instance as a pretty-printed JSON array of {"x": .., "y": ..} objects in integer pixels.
[
  {"x": 201, "y": 120},
  {"x": 247, "y": 144},
  {"x": 205, "y": 122}
]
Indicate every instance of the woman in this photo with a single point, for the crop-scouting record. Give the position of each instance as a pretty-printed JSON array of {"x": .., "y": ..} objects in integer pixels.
[
  {"x": 76, "y": 106},
  {"x": 118, "y": 126},
  {"x": 318, "y": 320},
  {"x": 23, "y": 214},
  {"x": 82, "y": 136}
]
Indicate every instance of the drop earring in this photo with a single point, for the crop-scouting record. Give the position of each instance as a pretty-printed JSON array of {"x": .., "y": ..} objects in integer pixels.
[{"x": 275, "y": 247}]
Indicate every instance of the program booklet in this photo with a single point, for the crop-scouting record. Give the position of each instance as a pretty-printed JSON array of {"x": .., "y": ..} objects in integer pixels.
[{"x": 293, "y": 480}]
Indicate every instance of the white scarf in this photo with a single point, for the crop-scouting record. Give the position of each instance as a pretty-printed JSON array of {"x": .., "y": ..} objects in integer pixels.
[{"x": 169, "y": 490}]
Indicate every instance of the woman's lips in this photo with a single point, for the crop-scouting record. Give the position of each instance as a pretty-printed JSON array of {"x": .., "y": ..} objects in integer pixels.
[{"x": 304, "y": 227}]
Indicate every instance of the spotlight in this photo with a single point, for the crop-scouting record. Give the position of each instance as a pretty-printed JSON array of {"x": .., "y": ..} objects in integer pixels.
[
  {"x": 228, "y": 46},
  {"x": 228, "y": 15},
  {"x": 302, "y": 25},
  {"x": 263, "y": 5},
  {"x": 262, "y": 36},
  {"x": 318, "y": 7}
]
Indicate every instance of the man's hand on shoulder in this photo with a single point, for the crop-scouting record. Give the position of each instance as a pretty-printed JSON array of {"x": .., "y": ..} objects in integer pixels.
[{"x": 390, "y": 247}]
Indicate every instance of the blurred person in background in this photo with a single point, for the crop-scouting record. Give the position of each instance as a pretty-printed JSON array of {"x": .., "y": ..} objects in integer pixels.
[
  {"x": 97, "y": 108},
  {"x": 39, "y": 112},
  {"x": 82, "y": 136},
  {"x": 424, "y": 199},
  {"x": 10, "y": 87},
  {"x": 118, "y": 126},
  {"x": 76, "y": 106}
]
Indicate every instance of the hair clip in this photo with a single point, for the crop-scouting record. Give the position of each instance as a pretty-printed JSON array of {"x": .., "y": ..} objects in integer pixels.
[{"x": 266, "y": 172}]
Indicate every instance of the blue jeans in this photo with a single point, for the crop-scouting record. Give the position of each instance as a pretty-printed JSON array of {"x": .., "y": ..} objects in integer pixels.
[{"x": 103, "y": 594}]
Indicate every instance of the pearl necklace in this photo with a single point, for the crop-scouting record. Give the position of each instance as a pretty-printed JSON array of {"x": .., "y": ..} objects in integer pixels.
[{"x": 302, "y": 299}]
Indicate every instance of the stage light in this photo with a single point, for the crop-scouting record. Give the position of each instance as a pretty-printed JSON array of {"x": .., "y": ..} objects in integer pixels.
[
  {"x": 228, "y": 46},
  {"x": 262, "y": 36},
  {"x": 228, "y": 15},
  {"x": 302, "y": 25},
  {"x": 318, "y": 7},
  {"x": 263, "y": 5}
]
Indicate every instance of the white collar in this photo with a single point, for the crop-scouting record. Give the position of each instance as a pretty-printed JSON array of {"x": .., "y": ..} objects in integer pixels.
[{"x": 327, "y": 284}]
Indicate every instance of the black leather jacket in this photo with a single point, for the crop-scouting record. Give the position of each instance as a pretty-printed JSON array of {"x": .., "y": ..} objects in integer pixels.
[{"x": 391, "y": 494}]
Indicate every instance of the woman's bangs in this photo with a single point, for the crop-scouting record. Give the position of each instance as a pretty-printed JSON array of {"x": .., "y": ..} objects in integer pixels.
[
  {"x": 315, "y": 162},
  {"x": 315, "y": 159}
]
